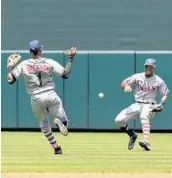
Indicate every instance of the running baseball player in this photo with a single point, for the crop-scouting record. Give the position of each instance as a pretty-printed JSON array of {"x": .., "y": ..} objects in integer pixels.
[
  {"x": 146, "y": 86},
  {"x": 38, "y": 75}
]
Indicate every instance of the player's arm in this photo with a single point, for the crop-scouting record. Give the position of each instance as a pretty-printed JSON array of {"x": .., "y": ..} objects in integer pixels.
[
  {"x": 163, "y": 90},
  {"x": 67, "y": 69},
  {"x": 14, "y": 73},
  {"x": 163, "y": 99},
  {"x": 127, "y": 83},
  {"x": 71, "y": 53},
  {"x": 60, "y": 70}
]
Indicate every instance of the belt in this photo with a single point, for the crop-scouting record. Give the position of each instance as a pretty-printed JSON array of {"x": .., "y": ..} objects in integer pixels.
[{"x": 145, "y": 102}]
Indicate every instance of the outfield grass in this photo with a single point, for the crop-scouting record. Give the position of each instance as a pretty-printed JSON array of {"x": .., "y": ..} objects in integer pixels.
[{"x": 84, "y": 152}]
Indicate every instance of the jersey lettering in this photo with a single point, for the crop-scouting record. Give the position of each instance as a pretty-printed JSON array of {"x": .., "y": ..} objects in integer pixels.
[
  {"x": 145, "y": 87},
  {"x": 38, "y": 68}
]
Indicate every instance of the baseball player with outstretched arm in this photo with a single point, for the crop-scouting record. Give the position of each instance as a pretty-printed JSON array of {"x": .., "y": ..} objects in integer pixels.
[
  {"x": 146, "y": 86},
  {"x": 38, "y": 75}
]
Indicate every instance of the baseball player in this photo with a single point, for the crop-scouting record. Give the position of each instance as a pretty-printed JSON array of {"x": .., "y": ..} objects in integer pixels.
[
  {"x": 38, "y": 75},
  {"x": 146, "y": 86}
]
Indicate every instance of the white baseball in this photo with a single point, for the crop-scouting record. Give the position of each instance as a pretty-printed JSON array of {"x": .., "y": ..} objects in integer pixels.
[{"x": 101, "y": 95}]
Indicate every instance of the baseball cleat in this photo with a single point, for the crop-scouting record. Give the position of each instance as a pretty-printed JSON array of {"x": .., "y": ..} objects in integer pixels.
[
  {"x": 145, "y": 145},
  {"x": 61, "y": 126},
  {"x": 58, "y": 150},
  {"x": 132, "y": 141}
]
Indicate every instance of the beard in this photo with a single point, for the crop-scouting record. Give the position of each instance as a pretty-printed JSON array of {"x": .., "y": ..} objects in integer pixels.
[{"x": 149, "y": 74}]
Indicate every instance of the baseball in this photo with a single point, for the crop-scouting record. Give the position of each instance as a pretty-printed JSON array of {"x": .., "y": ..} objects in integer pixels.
[{"x": 101, "y": 95}]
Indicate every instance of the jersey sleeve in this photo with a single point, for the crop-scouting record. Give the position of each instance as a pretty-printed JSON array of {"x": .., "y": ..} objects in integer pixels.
[
  {"x": 17, "y": 71},
  {"x": 131, "y": 80},
  {"x": 57, "y": 68},
  {"x": 163, "y": 89}
]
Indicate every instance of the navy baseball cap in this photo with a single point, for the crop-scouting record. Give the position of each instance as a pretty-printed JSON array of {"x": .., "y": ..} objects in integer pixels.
[
  {"x": 150, "y": 62},
  {"x": 35, "y": 44}
]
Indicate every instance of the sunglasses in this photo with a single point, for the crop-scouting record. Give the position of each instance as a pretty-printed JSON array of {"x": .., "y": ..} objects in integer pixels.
[{"x": 149, "y": 67}]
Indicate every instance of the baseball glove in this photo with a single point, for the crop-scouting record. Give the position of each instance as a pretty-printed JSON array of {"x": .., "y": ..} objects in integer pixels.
[
  {"x": 157, "y": 108},
  {"x": 13, "y": 60}
]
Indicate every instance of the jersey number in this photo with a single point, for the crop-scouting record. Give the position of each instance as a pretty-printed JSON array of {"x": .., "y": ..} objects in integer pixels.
[{"x": 40, "y": 79}]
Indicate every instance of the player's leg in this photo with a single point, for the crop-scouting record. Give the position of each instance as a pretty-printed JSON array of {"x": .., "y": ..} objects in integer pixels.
[
  {"x": 58, "y": 113},
  {"x": 41, "y": 113},
  {"x": 60, "y": 118},
  {"x": 145, "y": 116},
  {"x": 122, "y": 119}
]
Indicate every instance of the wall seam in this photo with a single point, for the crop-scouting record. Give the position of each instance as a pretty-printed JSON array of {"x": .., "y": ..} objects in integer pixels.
[
  {"x": 17, "y": 104},
  {"x": 88, "y": 89},
  {"x": 64, "y": 83},
  {"x": 135, "y": 70}
]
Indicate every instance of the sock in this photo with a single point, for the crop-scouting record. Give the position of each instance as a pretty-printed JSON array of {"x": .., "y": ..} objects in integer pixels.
[
  {"x": 65, "y": 123},
  {"x": 146, "y": 130},
  {"x": 64, "y": 120},
  {"x": 51, "y": 139},
  {"x": 130, "y": 132}
]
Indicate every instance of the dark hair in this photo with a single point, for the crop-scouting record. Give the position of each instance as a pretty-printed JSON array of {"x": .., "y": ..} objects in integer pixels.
[{"x": 35, "y": 51}]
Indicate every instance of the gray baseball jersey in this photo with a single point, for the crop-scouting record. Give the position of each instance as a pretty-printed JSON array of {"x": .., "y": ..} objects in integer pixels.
[
  {"x": 38, "y": 74},
  {"x": 146, "y": 89}
]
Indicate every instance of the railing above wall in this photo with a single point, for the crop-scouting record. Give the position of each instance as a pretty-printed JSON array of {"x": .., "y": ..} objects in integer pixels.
[{"x": 94, "y": 51}]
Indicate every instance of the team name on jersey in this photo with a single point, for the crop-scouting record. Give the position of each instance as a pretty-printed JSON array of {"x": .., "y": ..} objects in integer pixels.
[
  {"x": 38, "y": 68},
  {"x": 145, "y": 86}
]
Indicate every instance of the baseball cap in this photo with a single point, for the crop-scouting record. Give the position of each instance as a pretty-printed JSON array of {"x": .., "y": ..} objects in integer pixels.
[
  {"x": 150, "y": 62},
  {"x": 35, "y": 44}
]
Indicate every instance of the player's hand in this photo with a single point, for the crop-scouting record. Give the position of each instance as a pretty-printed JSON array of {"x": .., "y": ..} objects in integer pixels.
[
  {"x": 127, "y": 88},
  {"x": 71, "y": 53}
]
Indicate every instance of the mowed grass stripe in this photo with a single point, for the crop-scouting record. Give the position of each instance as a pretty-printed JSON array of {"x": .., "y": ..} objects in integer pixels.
[
  {"x": 82, "y": 168},
  {"x": 84, "y": 152}
]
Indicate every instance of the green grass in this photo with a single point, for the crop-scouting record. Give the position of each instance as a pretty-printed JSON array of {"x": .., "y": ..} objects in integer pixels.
[{"x": 84, "y": 152}]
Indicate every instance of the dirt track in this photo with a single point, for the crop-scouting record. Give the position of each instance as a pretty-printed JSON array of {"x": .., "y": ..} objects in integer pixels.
[{"x": 85, "y": 175}]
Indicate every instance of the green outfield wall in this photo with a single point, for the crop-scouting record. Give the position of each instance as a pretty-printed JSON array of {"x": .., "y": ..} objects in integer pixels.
[{"x": 92, "y": 72}]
